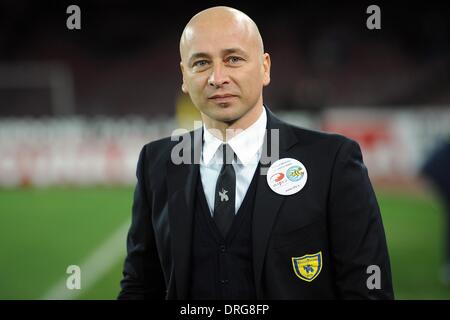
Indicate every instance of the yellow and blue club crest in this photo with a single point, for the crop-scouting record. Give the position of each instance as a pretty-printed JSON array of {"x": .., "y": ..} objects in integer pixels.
[{"x": 308, "y": 267}]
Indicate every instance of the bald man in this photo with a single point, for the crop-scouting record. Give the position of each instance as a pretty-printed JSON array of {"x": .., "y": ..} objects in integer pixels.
[{"x": 248, "y": 206}]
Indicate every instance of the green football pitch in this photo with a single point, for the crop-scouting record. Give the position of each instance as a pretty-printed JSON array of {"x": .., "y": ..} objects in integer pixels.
[{"x": 43, "y": 231}]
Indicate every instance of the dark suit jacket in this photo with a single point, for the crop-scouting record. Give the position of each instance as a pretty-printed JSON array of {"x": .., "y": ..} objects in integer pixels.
[{"x": 336, "y": 213}]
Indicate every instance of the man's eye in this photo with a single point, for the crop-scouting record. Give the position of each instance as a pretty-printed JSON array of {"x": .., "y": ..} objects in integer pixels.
[
  {"x": 234, "y": 59},
  {"x": 200, "y": 63}
]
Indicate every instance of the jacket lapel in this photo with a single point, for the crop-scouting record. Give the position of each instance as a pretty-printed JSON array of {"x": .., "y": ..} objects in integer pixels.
[
  {"x": 267, "y": 202},
  {"x": 181, "y": 183}
]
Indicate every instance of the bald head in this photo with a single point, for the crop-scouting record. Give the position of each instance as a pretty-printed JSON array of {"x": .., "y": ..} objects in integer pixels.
[
  {"x": 220, "y": 20},
  {"x": 224, "y": 67}
]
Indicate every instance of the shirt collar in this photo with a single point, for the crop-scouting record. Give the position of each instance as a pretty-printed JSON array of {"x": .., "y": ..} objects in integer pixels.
[{"x": 245, "y": 145}]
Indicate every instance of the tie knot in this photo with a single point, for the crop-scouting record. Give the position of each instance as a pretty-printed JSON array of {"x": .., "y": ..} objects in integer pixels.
[{"x": 227, "y": 153}]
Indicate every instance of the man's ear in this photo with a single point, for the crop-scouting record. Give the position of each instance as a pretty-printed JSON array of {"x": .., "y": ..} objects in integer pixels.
[
  {"x": 183, "y": 85},
  {"x": 266, "y": 67}
]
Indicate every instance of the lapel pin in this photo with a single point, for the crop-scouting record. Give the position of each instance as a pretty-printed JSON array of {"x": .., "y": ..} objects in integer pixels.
[{"x": 287, "y": 176}]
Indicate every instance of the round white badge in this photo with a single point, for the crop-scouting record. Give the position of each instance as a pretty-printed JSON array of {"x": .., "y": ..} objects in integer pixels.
[{"x": 287, "y": 176}]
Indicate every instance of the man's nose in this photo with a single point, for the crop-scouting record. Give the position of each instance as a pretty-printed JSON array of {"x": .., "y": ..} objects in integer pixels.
[{"x": 218, "y": 76}]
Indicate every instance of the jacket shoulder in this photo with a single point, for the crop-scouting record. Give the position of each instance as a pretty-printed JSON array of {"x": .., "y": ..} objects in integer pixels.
[
  {"x": 157, "y": 153},
  {"x": 314, "y": 137}
]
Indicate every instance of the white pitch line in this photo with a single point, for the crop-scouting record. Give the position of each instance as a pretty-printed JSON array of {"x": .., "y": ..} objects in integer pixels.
[{"x": 100, "y": 261}]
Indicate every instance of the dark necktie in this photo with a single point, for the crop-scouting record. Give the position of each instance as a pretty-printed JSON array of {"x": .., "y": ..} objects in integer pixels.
[{"x": 224, "y": 199}]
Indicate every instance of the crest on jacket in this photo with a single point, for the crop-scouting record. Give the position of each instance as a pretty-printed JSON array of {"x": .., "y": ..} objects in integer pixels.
[{"x": 308, "y": 267}]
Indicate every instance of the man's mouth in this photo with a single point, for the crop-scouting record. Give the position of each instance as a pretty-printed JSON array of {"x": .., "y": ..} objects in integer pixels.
[{"x": 222, "y": 97}]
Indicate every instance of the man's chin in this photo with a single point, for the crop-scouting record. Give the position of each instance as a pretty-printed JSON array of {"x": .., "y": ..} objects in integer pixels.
[
  {"x": 226, "y": 112},
  {"x": 223, "y": 105},
  {"x": 228, "y": 117}
]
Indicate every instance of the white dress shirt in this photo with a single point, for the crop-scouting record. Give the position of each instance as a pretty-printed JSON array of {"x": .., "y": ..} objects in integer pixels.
[{"x": 247, "y": 145}]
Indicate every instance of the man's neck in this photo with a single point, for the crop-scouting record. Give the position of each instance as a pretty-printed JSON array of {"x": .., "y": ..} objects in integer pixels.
[{"x": 225, "y": 131}]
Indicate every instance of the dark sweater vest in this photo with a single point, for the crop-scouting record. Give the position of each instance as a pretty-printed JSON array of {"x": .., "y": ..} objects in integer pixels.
[{"x": 222, "y": 268}]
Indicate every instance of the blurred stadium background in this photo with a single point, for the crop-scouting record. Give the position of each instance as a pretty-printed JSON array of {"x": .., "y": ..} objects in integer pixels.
[{"x": 76, "y": 106}]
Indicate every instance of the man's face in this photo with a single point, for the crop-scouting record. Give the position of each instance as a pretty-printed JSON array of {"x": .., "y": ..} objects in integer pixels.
[{"x": 224, "y": 68}]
